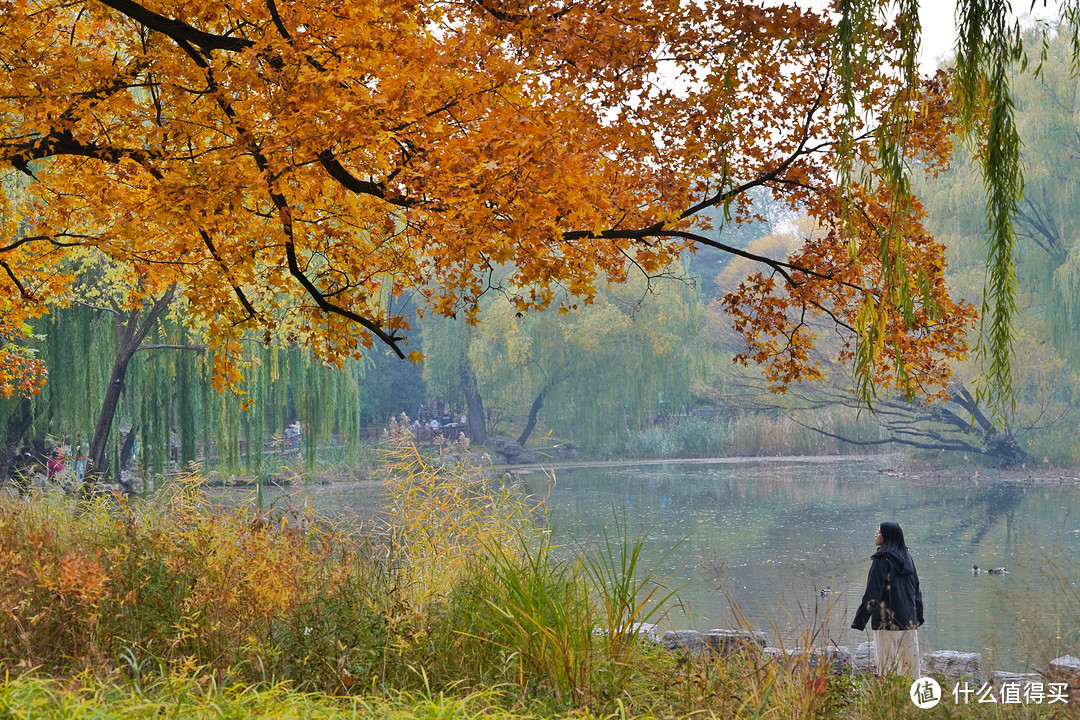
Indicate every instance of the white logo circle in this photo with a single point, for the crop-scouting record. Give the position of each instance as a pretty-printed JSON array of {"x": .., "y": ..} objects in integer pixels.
[{"x": 925, "y": 693}]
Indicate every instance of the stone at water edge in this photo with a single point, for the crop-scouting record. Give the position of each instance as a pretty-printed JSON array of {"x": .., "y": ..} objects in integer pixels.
[
  {"x": 1000, "y": 677},
  {"x": 1065, "y": 669},
  {"x": 838, "y": 657},
  {"x": 686, "y": 641},
  {"x": 724, "y": 642},
  {"x": 863, "y": 659},
  {"x": 953, "y": 666},
  {"x": 1065, "y": 665}
]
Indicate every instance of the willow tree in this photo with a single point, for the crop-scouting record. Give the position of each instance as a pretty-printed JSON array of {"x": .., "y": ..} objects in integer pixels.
[
  {"x": 596, "y": 371},
  {"x": 89, "y": 345},
  {"x": 135, "y": 307},
  {"x": 991, "y": 50},
  {"x": 165, "y": 403},
  {"x": 177, "y": 411},
  {"x": 449, "y": 371},
  {"x": 86, "y": 367},
  {"x": 297, "y": 169},
  {"x": 1047, "y": 219}
]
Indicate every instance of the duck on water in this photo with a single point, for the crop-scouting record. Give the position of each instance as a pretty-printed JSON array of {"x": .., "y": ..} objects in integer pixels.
[{"x": 975, "y": 570}]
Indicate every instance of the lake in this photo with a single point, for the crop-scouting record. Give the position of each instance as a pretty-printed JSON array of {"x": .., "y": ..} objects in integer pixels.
[{"x": 761, "y": 538}]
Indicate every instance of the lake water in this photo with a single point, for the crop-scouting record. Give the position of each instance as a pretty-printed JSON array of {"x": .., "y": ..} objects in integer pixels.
[{"x": 760, "y": 539}]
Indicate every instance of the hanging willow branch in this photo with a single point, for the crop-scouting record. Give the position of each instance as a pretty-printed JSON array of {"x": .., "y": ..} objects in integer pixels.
[{"x": 989, "y": 45}]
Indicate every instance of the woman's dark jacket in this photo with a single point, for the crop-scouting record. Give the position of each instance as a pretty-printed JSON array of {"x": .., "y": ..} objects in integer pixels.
[{"x": 892, "y": 600}]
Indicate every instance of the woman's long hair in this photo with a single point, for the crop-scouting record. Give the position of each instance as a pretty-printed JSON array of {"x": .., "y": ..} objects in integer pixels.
[{"x": 892, "y": 536}]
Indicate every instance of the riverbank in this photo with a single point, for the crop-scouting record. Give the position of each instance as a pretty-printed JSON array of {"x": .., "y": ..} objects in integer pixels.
[
  {"x": 466, "y": 608},
  {"x": 556, "y": 465},
  {"x": 891, "y": 464},
  {"x": 923, "y": 471}
]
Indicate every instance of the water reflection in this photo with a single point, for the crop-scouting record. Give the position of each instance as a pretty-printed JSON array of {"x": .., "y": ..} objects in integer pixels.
[{"x": 763, "y": 538}]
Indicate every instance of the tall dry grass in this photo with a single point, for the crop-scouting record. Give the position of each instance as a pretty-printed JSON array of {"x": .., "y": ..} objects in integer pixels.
[
  {"x": 456, "y": 605},
  {"x": 756, "y": 434},
  {"x": 177, "y": 584},
  {"x": 456, "y": 584}
]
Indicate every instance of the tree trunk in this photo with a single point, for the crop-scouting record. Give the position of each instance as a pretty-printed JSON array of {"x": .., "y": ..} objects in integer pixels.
[
  {"x": 475, "y": 404},
  {"x": 18, "y": 422},
  {"x": 131, "y": 329},
  {"x": 533, "y": 412},
  {"x": 97, "y": 469},
  {"x": 957, "y": 425}
]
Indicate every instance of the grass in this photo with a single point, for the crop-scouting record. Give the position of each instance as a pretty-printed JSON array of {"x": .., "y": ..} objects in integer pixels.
[
  {"x": 89, "y": 699},
  {"x": 721, "y": 690},
  {"x": 454, "y": 605}
]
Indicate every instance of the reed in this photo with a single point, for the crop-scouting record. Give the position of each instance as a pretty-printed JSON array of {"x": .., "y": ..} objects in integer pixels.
[
  {"x": 629, "y": 596},
  {"x": 749, "y": 435},
  {"x": 456, "y": 605},
  {"x": 536, "y": 610},
  {"x": 178, "y": 585},
  {"x": 446, "y": 511}
]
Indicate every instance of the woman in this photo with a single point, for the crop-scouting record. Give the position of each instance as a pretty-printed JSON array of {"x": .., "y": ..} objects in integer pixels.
[
  {"x": 54, "y": 465},
  {"x": 893, "y": 604}
]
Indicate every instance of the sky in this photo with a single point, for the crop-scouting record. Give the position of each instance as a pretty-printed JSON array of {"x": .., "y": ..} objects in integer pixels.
[{"x": 938, "y": 20}]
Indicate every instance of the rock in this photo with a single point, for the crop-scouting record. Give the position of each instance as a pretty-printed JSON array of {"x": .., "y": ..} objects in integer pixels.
[
  {"x": 649, "y": 631},
  {"x": 513, "y": 453},
  {"x": 1000, "y": 677},
  {"x": 1065, "y": 665},
  {"x": 953, "y": 666},
  {"x": 717, "y": 641},
  {"x": 725, "y": 642},
  {"x": 684, "y": 641},
  {"x": 776, "y": 654},
  {"x": 837, "y": 657},
  {"x": 1065, "y": 669},
  {"x": 526, "y": 457},
  {"x": 506, "y": 448},
  {"x": 562, "y": 451},
  {"x": 863, "y": 659},
  {"x": 644, "y": 630}
]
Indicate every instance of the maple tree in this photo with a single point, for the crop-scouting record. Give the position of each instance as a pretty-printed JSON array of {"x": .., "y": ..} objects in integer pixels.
[
  {"x": 297, "y": 171},
  {"x": 21, "y": 373}
]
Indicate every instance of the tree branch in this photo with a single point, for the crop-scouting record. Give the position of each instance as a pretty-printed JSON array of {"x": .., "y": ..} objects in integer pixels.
[
  {"x": 23, "y": 292},
  {"x": 181, "y": 32},
  {"x": 18, "y": 155}
]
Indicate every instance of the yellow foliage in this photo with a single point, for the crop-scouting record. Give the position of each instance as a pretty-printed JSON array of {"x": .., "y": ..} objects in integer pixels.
[
  {"x": 296, "y": 169},
  {"x": 446, "y": 512}
]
